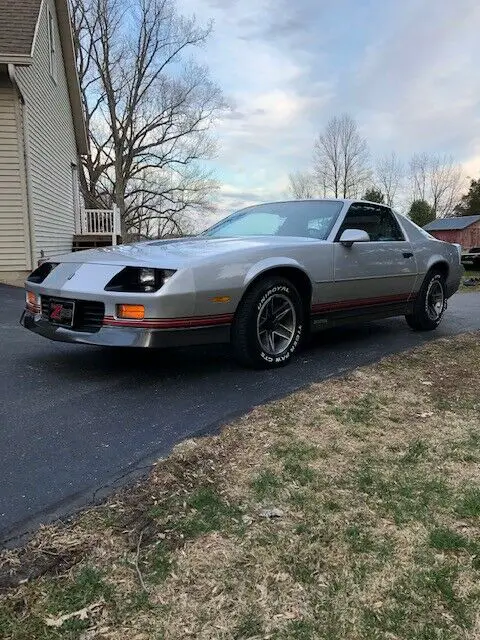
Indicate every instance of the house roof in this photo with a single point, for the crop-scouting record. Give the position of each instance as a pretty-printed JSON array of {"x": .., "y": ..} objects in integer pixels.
[
  {"x": 451, "y": 224},
  {"x": 18, "y": 27},
  {"x": 19, "y": 20}
]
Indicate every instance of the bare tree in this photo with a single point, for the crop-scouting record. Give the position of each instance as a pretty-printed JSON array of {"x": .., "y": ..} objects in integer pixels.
[
  {"x": 341, "y": 158},
  {"x": 436, "y": 180},
  {"x": 419, "y": 176},
  {"x": 148, "y": 108},
  {"x": 445, "y": 186},
  {"x": 389, "y": 175},
  {"x": 302, "y": 185},
  {"x": 327, "y": 158}
]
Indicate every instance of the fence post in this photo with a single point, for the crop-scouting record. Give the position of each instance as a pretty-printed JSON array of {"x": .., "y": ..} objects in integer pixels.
[{"x": 116, "y": 223}]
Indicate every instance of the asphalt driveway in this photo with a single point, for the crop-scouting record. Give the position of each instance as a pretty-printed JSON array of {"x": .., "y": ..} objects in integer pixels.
[{"x": 76, "y": 421}]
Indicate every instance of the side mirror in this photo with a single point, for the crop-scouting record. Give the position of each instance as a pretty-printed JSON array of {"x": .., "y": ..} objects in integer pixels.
[{"x": 349, "y": 236}]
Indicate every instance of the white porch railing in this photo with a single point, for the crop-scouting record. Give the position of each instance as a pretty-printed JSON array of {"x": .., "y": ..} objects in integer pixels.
[{"x": 99, "y": 222}]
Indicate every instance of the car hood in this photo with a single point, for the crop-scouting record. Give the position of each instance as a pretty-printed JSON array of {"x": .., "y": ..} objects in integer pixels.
[{"x": 177, "y": 253}]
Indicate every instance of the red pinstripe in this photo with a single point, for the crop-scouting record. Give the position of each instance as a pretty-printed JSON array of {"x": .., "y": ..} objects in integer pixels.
[
  {"x": 226, "y": 318},
  {"x": 171, "y": 323},
  {"x": 359, "y": 302}
]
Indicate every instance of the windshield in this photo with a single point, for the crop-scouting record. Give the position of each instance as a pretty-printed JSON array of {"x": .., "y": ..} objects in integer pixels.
[{"x": 307, "y": 219}]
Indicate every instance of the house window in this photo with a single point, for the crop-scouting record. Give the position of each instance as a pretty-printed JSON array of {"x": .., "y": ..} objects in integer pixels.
[{"x": 51, "y": 45}]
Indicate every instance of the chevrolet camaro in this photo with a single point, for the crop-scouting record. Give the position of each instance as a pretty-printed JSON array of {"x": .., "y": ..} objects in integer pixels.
[{"x": 261, "y": 280}]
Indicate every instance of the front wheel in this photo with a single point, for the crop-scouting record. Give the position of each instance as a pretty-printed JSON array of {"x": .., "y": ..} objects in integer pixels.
[
  {"x": 269, "y": 324},
  {"x": 430, "y": 304}
]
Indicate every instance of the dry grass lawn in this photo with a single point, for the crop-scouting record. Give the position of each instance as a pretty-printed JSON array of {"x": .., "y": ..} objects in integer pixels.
[{"x": 373, "y": 487}]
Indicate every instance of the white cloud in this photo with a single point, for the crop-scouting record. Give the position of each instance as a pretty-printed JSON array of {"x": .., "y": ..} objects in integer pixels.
[
  {"x": 471, "y": 166},
  {"x": 406, "y": 71},
  {"x": 269, "y": 131},
  {"x": 418, "y": 84}
]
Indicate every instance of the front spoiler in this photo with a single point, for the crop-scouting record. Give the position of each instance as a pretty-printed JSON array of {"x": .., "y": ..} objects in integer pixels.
[{"x": 127, "y": 336}]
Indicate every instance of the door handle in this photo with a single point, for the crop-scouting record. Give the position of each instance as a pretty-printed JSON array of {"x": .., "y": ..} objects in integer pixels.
[{"x": 407, "y": 254}]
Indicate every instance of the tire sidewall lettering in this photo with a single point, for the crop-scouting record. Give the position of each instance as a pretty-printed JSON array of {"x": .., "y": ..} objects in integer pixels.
[
  {"x": 288, "y": 353},
  {"x": 277, "y": 289},
  {"x": 281, "y": 288}
]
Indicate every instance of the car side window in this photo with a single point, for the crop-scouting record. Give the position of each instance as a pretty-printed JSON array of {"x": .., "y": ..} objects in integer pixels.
[
  {"x": 318, "y": 227},
  {"x": 378, "y": 222}
]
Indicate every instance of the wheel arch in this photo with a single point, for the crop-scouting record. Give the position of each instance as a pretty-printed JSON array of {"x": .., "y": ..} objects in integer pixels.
[
  {"x": 439, "y": 264},
  {"x": 291, "y": 271}
]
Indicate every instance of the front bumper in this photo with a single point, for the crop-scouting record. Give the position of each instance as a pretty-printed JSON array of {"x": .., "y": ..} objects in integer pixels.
[{"x": 127, "y": 336}]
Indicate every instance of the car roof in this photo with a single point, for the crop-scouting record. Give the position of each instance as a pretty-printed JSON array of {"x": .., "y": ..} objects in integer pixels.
[{"x": 344, "y": 200}]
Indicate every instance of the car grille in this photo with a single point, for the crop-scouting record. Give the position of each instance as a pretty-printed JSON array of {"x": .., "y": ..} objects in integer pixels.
[{"x": 88, "y": 314}]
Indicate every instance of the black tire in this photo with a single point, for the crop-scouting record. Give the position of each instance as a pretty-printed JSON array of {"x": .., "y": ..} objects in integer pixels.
[
  {"x": 424, "y": 316},
  {"x": 246, "y": 336}
]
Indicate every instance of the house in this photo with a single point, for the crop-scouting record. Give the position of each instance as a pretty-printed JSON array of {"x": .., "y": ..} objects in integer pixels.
[
  {"x": 42, "y": 134},
  {"x": 464, "y": 230}
]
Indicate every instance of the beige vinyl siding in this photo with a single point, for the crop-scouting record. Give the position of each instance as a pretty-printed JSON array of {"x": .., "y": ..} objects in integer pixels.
[
  {"x": 51, "y": 143},
  {"x": 14, "y": 242}
]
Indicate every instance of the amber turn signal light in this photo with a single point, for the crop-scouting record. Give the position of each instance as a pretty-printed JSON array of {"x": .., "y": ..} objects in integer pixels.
[
  {"x": 32, "y": 299},
  {"x": 131, "y": 311}
]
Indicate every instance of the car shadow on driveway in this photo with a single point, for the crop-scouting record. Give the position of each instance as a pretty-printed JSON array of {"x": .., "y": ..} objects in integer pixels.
[{"x": 77, "y": 362}]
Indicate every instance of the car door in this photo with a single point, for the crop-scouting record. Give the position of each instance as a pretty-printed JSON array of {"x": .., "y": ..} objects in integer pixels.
[{"x": 378, "y": 273}]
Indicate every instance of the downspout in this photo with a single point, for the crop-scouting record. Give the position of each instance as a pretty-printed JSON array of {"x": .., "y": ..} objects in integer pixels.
[{"x": 26, "y": 150}]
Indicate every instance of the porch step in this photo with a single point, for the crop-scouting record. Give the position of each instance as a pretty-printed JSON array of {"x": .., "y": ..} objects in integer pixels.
[{"x": 82, "y": 242}]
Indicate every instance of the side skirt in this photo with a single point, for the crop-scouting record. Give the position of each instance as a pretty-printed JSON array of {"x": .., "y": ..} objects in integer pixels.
[{"x": 327, "y": 319}]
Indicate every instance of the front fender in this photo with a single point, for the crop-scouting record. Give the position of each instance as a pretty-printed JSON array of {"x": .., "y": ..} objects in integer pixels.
[{"x": 271, "y": 263}]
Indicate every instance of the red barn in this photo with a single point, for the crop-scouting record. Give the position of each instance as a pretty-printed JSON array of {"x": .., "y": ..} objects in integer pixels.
[{"x": 464, "y": 230}]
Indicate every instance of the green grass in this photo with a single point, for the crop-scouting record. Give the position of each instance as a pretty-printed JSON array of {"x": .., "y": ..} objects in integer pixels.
[
  {"x": 295, "y": 450},
  {"x": 466, "y": 449},
  {"x": 250, "y": 625},
  {"x": 359, "y": 539},
  {"x": 160, "y": 563},
  {"x": 87, "y": 586},
  {"x": 447, "y": 540},
  {"x": 15, "y": 625},
  {"x": 302, "y": 565},
  {"x": 299, "y": 473},
  {"x": 401, "y": 494},
  {"x": 424, "y": 603},
  {"x": 266, "y": 484},
  {"x": 332, "y": 505},
  {"x": 415, "y": 452},
  {"x": 297, "y": 630},
  {"x": 362, "y": 411},
  {"x": 468, "y": 505},
  {"x": 208, "y": 512}
]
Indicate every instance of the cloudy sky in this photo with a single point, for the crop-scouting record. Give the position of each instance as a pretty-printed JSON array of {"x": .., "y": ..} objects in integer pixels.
[{"x": 407, "y": 71}]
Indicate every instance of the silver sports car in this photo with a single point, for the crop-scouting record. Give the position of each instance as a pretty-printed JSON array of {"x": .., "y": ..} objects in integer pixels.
[{"x": 261, "y": 279}]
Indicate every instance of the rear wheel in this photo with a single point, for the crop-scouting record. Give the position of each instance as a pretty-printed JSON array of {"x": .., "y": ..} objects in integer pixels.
[
  {"x": 430, "y": 304},
  {"x": 269, "y": 324}
]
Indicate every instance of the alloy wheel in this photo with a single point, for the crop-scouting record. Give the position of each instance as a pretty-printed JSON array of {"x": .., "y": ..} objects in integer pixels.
[
  {"x": 276, "y": 324},
  {"x": 435, "y": 300}
]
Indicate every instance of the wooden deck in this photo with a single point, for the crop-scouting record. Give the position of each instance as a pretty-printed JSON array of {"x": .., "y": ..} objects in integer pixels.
[{"x": 81, "y": 242}]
